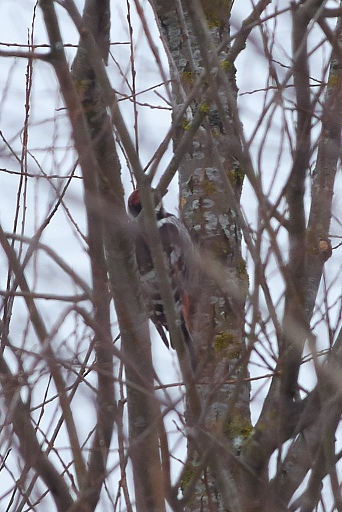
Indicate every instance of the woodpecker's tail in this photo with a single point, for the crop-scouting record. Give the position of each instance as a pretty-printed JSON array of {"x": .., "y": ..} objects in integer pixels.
[
  {"x": 189, "y": 345},
  {"x": 186, "y": 315},
  {"x": 162, "y": 334}
]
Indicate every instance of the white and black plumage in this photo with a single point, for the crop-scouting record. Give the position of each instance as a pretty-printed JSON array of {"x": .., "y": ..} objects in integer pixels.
[{"x": 178, "y": 248}]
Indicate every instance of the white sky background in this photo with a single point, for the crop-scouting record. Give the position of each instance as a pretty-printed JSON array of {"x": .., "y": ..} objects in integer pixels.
[{"x": 51, "y": 145}]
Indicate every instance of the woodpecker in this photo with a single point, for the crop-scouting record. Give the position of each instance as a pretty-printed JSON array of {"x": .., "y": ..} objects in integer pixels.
[{"x": 179, "y": 251}]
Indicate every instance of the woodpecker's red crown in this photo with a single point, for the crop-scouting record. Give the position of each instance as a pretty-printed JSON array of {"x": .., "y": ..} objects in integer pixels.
[
  {"x": 134, "y": 203},
  {"x": 135, "y": 207}
]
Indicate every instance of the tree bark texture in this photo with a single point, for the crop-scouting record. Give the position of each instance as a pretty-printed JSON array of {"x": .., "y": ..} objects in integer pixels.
[{"x": 210, "y": 179}]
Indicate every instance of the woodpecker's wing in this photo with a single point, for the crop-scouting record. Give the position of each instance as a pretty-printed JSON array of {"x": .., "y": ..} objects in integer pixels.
[
  {"x": 177, "y": 244},
  {"x": 178, "y": 249},
  {"x": 180, "y": 252},
  {"x": 149, "y": 285}
]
